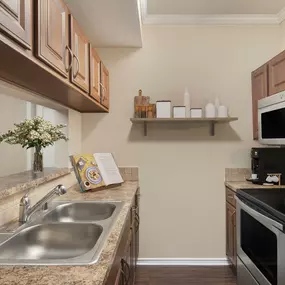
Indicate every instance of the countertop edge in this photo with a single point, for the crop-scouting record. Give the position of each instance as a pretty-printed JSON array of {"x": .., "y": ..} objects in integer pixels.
[{"x": 238, "y": 185}]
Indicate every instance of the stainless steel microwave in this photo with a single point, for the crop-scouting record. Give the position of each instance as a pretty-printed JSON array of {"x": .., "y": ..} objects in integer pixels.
[{"x": 271, "y": 119}]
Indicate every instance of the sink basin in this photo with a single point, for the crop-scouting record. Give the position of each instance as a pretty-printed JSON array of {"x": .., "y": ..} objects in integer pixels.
[
  {"x": 80, "y": 212},
  {"x": 67, "y": 233},
  {"x": 51, "y": 242}
]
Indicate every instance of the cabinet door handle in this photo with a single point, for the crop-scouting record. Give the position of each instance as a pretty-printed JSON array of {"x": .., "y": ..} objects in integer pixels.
[
  {"x": 138, "y": 222},
  {"x": 103, "y": 93},
  {"x": 78, "y": 65},
  {"x": 103, "y": 86},
  {"x": 67, "y": 48},
  {"x": 124, "y": 277},
  {"x": 128, "y": 275}
]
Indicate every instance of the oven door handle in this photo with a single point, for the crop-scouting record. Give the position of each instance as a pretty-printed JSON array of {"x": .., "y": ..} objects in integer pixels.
[{"x": 258, "y": 215}]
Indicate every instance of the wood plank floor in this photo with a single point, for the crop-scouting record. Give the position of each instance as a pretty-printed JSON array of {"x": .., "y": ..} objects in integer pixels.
[{"x": 184, "y": 275}]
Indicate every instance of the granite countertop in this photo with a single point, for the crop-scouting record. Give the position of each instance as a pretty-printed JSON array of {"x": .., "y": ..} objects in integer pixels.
[
  {"x": 235, "y": 185},
  {"x": 79, "y": 275},
  {"x": 18, "y": 182}
]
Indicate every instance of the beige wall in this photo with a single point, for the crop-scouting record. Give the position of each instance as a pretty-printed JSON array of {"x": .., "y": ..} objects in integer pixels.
[
  {"x": 282, "y": 26},
  {"x": 74, "y": 132},
  {"x": 182, "y": 169}
]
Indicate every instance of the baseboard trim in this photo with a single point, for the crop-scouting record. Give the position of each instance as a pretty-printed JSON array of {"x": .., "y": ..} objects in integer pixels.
[{"x": 183, "y": 261}]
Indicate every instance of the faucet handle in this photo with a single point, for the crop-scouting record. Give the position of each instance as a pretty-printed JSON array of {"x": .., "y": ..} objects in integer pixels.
[
  {"x": 61, "y": 190},
  {"x": 25, "y": 201},
  {"x": 25, "y": 206}
]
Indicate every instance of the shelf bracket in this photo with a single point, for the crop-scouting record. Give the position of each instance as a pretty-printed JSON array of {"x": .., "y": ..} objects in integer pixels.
[
  {"x": 212, "y": 129},
  {"x": 145, "y": 128}
]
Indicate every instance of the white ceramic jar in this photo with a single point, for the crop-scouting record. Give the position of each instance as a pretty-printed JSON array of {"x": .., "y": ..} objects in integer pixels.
[{"x": 210, "y": 110}]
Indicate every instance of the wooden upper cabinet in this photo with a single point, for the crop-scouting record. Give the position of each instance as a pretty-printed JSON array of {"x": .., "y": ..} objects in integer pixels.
[
  {"x": 105, "y": 97},
  {"x": 277, "y": 74},
  {"x": 259, "y": 80},
  {"x": 80, "y": 59},
  {"x": 16, "y": 20},
  {"x": 95, "y": 74},
  {"x": 52, "y": 38}
]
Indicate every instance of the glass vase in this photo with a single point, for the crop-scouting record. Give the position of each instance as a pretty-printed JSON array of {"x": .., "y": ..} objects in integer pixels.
[{"x": 38, "y": 161}]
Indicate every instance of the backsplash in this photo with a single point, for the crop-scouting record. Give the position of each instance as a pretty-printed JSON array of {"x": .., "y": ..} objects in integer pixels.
[
  {"x": 237, "y": 174},
  {"x": 130, "y": 173}
]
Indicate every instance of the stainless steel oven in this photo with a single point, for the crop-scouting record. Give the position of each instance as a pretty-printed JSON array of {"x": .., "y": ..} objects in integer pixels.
[
  {"x": 260, "y": 246},
  {"x": 271, "y": 119}
]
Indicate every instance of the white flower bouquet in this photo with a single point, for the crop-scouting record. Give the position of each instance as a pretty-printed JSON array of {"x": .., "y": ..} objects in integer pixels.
[{"x": 37, "y": 133}]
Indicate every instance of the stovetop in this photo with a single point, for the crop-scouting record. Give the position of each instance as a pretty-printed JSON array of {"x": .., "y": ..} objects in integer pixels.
[{"x": 270, "y": 200}]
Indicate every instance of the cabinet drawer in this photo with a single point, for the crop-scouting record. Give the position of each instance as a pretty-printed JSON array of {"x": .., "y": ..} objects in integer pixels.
[{"x": 230, "y": 197}]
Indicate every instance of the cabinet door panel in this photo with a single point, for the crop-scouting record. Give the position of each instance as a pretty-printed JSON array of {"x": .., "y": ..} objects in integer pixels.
[
  {"x": 231, "y": 234},
  {"x": 80, "y": 63},
  {"x": 52, "y": 36},
  {"x": 259, "y": 80},
  {"x": 16, "y": 20},
  {"x": 105, "y": 97},
  {"x": 277, "y": 74},
  {"x": 95, "y": 75}
]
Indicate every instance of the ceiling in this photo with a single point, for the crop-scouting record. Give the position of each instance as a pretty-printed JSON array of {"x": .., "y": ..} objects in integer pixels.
[
  {"x": 108, "y": 23},
  {"x": 117, "y": 23},
  {"x": 211, "y": 7}
]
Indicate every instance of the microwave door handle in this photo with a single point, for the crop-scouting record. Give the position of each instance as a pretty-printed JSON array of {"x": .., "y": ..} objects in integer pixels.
[{"x": 258, "y": 215}]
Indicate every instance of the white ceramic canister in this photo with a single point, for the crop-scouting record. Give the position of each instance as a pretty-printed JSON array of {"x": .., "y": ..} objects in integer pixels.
[
  {"x": 222, "y": 112},
  {"x": 210, "y": 110}
]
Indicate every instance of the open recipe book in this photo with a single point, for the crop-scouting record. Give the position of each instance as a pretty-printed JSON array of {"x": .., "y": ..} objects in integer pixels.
[{"x": 95, "y": 170}]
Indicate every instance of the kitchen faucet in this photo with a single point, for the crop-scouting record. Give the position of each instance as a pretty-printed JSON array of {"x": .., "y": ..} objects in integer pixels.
[{"x": 25, "y": 205}]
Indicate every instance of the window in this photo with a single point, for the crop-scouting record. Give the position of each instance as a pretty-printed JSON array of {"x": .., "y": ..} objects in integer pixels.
[{"x": 14, "y": 158}]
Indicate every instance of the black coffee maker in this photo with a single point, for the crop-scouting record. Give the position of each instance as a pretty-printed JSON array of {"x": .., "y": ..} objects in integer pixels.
[{"x": 266, "y": 161}]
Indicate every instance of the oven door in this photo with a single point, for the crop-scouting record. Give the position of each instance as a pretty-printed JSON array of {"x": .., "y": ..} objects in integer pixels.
[
  {"x": 271, "y": 117},
  {"x": 260, "y": 245}
]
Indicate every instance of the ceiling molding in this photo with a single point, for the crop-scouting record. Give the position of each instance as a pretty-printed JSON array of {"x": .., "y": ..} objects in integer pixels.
[
  {"x": 211, "y": 20},
  {"x": 230, "y": 19}
]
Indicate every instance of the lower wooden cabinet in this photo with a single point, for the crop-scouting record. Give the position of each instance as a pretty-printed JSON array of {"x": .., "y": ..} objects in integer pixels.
[
  {"x": 123, "y": 271},
  {"x": 231, "y": 240}
]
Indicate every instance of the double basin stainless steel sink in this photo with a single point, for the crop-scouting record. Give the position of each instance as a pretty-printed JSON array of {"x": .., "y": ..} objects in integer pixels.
[{"x": 68, "y": 233}]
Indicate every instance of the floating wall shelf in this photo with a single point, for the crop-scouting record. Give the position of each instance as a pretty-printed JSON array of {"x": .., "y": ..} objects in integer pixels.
[{"x": 211, "y": 121}]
